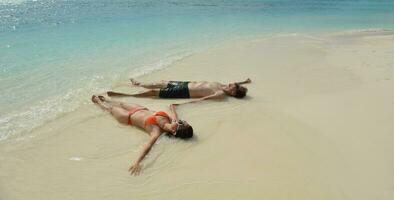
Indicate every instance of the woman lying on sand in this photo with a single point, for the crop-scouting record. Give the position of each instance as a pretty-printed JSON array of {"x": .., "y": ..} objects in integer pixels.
[{"x": 154, "y": 123}]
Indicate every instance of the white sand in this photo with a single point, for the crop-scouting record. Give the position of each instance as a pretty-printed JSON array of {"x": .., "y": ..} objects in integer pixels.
[{"x": 317, "y": 124}]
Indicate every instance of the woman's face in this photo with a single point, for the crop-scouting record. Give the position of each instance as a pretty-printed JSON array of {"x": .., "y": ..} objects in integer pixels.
[{"x": 172, "y": 127}]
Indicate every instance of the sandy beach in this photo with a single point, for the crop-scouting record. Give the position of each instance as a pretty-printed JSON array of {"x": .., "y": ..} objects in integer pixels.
[{"x": 317, "y": 124}]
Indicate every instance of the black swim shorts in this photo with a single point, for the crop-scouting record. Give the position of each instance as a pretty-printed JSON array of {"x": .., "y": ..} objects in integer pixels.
[{"x": 175, "y": 89}]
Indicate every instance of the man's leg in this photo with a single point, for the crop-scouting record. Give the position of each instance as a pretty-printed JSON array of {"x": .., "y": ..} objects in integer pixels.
[
  {"x": 145, "y": 93},
  {"x": 153, "y": 85}
]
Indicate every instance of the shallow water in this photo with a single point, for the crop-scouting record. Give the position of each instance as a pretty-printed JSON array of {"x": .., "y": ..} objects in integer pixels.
[{"x": 54, "y": 54}]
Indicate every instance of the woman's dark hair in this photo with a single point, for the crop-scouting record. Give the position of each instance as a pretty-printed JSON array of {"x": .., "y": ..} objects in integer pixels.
[
  {"x": 240, "y": 91},
  {"x": 184, "y": 130}
]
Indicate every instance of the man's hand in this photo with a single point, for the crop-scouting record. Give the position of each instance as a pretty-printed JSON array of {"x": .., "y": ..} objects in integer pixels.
[
  {"x": 135, "y": 169},
  {"x": 248, "y": 80}
]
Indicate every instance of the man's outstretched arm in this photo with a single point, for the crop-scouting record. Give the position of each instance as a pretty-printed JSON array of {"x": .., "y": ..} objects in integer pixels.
[
  {"x": 217, "y": 95},
  {"x": 245, "y": 81}
]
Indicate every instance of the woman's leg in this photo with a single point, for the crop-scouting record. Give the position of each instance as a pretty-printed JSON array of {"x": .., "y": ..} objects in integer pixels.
[
  {"x": 120, "y": 104},
  {"x": 119, "y": 113},
  {"x": 153, "y": 85}
]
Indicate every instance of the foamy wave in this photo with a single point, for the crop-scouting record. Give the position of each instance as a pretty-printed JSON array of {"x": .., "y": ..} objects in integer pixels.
[
  {"x": 160, "y": 64},
  {"x": 364, "y": 32},
  {"x": 13, "y": 2},
  {"x": 21, "y": 122}
]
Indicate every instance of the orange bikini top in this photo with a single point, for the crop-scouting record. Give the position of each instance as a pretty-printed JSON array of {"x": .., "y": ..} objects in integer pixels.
[{"x": 152, "y": 118}]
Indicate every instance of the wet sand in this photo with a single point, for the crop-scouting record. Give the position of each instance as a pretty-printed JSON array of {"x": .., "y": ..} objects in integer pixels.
[{"x": 317, "y": 124}]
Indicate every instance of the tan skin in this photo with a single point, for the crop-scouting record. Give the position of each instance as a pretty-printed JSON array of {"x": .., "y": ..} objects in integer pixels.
[
  {"x": 202, "y": 90},
  {"x": 120, "y": 112}
]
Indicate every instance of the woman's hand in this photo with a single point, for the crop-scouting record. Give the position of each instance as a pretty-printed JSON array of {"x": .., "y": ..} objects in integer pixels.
[{"x": 135, "y": 169}]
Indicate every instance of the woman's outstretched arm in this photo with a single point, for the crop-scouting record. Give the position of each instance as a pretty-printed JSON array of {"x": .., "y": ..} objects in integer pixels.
[
  {"x": 135, "y": 168},
  {"x": 174, "y": 113}
]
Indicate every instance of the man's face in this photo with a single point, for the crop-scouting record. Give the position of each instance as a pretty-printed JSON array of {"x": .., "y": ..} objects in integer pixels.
[{"x": 232, "y": 89}]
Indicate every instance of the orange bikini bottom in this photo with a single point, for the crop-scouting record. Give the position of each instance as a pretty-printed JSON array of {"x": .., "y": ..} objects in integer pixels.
[{"x": 150, "y": 119}]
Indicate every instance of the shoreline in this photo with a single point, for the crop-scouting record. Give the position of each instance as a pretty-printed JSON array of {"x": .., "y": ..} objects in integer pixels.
[
  {"x": 148, "y": 68},
  {"x": 315, "y": 124}
]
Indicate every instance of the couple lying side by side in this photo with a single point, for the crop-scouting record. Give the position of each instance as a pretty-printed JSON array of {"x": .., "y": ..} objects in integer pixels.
[{"x": 158, "y": 123}]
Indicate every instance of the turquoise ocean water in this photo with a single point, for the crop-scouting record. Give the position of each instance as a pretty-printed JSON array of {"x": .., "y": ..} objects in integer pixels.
[{"x": 55, "y": 53}]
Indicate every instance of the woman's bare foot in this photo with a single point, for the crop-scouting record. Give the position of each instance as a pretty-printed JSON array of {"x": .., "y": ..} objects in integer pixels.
[
  {"x": 134, "y": 82},
  {"x": 102, "y": 98},
  {"x": 95, "y": 99}
]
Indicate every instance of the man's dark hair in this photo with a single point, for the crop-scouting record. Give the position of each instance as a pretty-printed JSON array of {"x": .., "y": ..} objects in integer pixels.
[
  {"x": 184, "y": 130},
  {"x": 240, "y": 91}
]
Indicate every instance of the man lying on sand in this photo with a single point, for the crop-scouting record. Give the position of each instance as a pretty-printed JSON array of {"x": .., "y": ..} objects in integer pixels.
[{"x": 188, "y": 89}]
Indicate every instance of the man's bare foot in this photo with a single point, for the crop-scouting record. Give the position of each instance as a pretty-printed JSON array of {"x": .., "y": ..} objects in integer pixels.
[
  {"x": 134, "y": 82},
  {"x": 111, "y": 93},
  {"x": 95, "y": 99}
]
